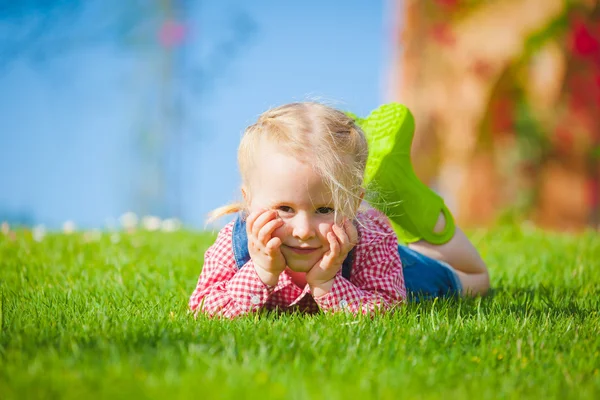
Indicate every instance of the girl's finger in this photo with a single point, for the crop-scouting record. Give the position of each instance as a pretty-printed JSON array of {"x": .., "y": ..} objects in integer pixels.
[
  {"x": 262, "y": 219},
  {"x": 341, "y": 235},
  {"x": 334, "y": 246},
  {"x": 264, "y": 235},
  {"x": 273, "y": 245},
  {"x": 351, "y": 232},
  {"x": 250, "y": 221}
]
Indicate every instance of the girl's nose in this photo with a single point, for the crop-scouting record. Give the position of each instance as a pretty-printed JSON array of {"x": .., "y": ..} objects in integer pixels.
[{"x": 303, "y": 229}]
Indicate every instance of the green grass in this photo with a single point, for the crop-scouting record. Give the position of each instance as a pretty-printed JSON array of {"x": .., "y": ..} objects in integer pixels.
[{"x": 108, "y": 320}]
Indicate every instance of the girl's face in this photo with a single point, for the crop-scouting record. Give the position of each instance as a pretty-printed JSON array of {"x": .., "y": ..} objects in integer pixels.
[{"x": 292, "y": 188}]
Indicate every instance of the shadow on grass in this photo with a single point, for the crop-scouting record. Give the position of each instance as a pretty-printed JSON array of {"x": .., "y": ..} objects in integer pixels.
[{"x": 541, "y": 301}]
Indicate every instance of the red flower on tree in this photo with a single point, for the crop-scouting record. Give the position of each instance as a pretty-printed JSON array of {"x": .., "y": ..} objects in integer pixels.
[
  {"x": 482, "y": 68},
  {"x": 172, "y": 33},
  {"x": 448, "y": 3},
  {"x": 563, "y": 139},
  {"x": 583, "y": 42},
  {"x": 442, "y": 33}
]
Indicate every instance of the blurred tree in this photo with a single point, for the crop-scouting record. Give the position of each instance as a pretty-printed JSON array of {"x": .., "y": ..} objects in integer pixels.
[{"x": 504, "y": 94}]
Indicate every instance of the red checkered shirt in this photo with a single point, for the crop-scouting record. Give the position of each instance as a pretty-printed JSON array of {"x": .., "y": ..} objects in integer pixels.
[{"x": 376, "y": 280}]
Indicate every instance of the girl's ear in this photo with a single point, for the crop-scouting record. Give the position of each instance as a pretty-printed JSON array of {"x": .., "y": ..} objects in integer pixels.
[
  {"x": 245, "y": 195},
  {"x": 246, "y": 204}
]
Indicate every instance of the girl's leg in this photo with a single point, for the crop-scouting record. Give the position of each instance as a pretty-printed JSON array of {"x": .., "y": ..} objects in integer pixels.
[
  {"x": 417, "y": 214},
  {"x": 459, "y": 253}
]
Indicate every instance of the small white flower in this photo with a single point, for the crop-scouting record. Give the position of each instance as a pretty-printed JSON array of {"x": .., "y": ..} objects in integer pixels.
[
  {"x": 69, "y": 227},
  {"x": 129, "y": 220},
  {"x": 115, "y": 238},
  {"x": 38, "y": 232},
  {"x": 151, "y": 223},
  {"x": 110, "y": 223},
  {"x": 92, "y": 236},
  {"x": 171, "y": 225},
  {"x": 5, "y": 228}
]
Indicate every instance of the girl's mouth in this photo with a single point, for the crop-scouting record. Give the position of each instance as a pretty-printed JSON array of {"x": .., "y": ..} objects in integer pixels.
[{"x": 302, "y": 250}]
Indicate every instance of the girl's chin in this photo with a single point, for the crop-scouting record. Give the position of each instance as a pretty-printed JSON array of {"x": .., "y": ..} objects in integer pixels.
[
  {"x": 301, "y": 263},
  {"x": 300, "y": 268}
]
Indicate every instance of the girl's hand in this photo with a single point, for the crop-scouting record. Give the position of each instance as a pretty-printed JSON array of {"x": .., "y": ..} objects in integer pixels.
[
  {"x": 265, "y": 250},
  {"x": 341, "y": 240}
]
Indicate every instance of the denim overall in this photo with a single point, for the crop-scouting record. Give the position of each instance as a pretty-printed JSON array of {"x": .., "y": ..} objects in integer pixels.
[{"x": 424, "y": 277}]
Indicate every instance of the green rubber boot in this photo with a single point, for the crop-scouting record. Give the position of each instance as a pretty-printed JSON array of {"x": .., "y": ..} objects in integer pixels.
[{"x": 395, "y": 190}]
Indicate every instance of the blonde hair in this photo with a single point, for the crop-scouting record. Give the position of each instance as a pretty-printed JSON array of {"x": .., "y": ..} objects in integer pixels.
[{"x": 317, "y": 134}]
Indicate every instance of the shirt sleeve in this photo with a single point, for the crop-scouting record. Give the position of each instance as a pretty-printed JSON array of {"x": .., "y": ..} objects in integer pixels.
[
  {"x": 222, "y": 289},
  {"x": 377, "y": 281}
]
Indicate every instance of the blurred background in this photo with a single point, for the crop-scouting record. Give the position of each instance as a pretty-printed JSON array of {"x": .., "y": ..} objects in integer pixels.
[{"x": 110, "y": 107}]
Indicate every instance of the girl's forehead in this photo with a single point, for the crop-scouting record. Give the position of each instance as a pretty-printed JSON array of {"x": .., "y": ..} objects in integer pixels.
[
  {"x": 290, "y": 182},
  {"x": 282, "y": 178},
  {"x": 271, "y": 160}
]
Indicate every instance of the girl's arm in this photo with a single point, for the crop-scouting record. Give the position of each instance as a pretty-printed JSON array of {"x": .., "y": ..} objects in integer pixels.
[
  {"x": 222, "y": 289},
  {"x": 377, "y": 283}
]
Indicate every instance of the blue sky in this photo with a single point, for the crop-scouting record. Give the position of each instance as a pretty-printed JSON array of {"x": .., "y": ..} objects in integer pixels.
[{"x": 68, "y": 129}]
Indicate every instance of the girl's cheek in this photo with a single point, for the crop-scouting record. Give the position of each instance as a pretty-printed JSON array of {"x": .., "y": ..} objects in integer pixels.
[
  {"x": 325, "y": 228},
  {"x": 282, "y": 232}
]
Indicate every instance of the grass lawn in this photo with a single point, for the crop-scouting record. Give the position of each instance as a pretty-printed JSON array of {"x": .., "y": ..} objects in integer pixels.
[{"x": 83, "y": 319}]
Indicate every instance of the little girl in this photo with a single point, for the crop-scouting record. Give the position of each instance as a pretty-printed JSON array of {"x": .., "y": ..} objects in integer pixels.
[{"x": 301, "y": 241}]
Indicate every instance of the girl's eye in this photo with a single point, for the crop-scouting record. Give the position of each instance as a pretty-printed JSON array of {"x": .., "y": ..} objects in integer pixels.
[
  {"x": 325, "y": 210},
  {"x": 285, "y": 209}
]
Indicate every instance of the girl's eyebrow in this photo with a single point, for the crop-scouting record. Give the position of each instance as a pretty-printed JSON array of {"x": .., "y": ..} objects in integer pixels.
[
  {"x": 294, "y": 205},
  {"x": 314, "y": 207},
  {"x": 282, "y": 203}
]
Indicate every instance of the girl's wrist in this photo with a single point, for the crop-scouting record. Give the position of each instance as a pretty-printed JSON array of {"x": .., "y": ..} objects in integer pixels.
[
  {"x": 267, "y": 277},
  {"x": 322, "y": 288}
]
